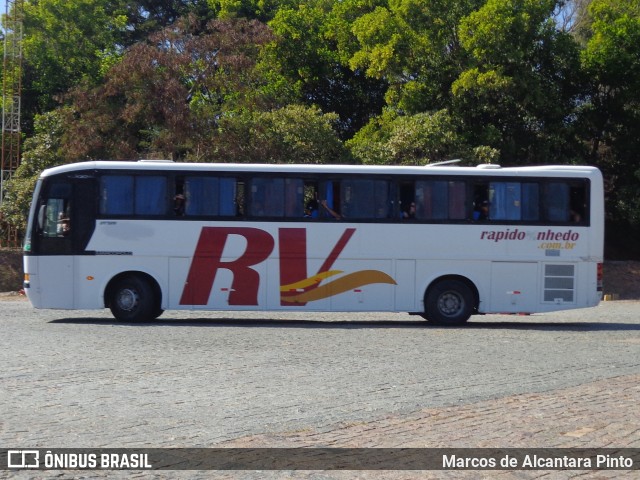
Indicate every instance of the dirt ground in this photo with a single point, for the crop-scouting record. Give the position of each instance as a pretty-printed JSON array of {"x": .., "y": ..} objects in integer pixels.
[
  {"x": 621, "y": 278},
  {"x": 10, "y": 270}
]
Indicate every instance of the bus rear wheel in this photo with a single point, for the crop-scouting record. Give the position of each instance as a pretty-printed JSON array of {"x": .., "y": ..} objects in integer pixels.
[
  {"x": 133, "y": 299},
  {"x": 449, "y": 302}
]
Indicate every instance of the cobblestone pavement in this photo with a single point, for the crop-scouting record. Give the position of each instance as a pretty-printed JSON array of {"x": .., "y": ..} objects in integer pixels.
[{"x": 215, "y": 379}]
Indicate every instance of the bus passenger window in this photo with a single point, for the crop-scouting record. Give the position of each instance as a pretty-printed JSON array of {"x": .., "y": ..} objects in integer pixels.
[
  {"x": 383, "y": 206},
  {"x": 310, "y": 198},
  {"x": 179, "y": 198},
  {"x": 365, "y": 199},
  {"x": 277, "y": 197},
  {"x": 578, "y": 204},
  {"x": 128, "y": 195},
  {"x": 457, "y": 200},
  {"x": 406, "y": 200},
  {"x": 116, "y": 195},
  {"x": 432, "y": 200},
  {"x": 330, "y": 200},
  {"x": 505, "y": 200},
  {"x": 267, "y": 197},
  {"x": 530, "y": 202},
  {"x": 151, "y": 194},
  {"x": 201, "y": 195},
  {"x": 293, "y": 197},
  {"x": 205, "y": 196},
  {"x": 240, "y": 198},
  {"x": 481, "y": 204},
  {"x": 557, "y": 202}
]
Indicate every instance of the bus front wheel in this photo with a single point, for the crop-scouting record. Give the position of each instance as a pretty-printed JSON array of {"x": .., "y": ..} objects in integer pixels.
[
  {"x": 449, "y": 302},
  {"x": 133, "y": 299}
]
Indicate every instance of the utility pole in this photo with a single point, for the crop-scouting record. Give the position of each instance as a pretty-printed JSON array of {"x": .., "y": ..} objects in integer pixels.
[{"x": 11, "y": 104}]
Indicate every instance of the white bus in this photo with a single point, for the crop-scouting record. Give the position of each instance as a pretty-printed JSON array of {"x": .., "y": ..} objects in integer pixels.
[{"x": 443, "y": 242}]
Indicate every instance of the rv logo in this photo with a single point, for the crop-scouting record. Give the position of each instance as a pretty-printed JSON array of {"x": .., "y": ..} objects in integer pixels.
[{"x": 297, "y": 287}]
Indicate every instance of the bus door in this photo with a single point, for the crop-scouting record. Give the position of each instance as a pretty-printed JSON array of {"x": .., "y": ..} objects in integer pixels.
[{"x": 65, "y": 220}]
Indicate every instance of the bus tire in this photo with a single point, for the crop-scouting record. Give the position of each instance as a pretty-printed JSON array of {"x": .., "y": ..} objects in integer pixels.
[
  {"x": 449, "y": 302},
  {"x": 133, "y": 299}
]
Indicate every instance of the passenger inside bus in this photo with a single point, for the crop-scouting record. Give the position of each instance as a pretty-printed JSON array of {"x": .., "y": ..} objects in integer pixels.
[
  {"x": 410, "y": 212},
  {"x": 481, "y": 211},
  {"x": 330, "y": 211},
  {"x": 179, "y": 205},
  {"x": 64, "y": 225},
  {"x": 311, "y": 209}
]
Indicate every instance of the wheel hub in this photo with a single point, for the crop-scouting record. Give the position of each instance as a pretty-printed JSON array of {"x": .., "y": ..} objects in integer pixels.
[
  {"x": 127, "y": 299},
  {"x": 450, "y": 303}
]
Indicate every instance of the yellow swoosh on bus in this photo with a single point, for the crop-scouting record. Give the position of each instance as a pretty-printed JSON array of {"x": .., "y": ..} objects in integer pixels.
[
  {"x": 308, "y": 282},
  {"x": 341, "y": 285}
]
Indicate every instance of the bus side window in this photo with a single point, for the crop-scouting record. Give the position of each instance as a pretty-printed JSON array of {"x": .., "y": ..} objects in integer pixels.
[
  {"x": 578, "y": 204},
  {"x": 179, "y": 197},
  {"x": 457, "y": 200},
  {"x": 205, "y": 196},
  {"x": 201, "y": 196},
  {"x": 405, "y": 201},
  {"x": 276, "y": 197},
  {"x": 151, "y": 195},
  {"x": 240, "y": 198},
  {"x": 330, "y": 200},
  {"x": 227, "y": 197},
  {"x": 383, "y": 203},
  {"x": 293, "y": 197},
  {"x": 557, "y": 202},
  {"x": 505, "y": 201},
  {"x": 530, "y": 202},
  {"x": 310, "y": 199},
  {"x": 432, "y": 200},
  {"x": 116, "y": 195},
  {"x": 481, "y": 203},
  {"x": 365, "y": 199}
]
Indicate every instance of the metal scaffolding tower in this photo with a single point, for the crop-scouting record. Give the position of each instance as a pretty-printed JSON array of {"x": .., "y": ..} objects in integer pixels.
[{"x": 11, "y": 97}]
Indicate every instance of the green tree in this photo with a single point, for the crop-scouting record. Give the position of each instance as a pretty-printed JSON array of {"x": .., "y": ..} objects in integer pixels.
[
  {"x": 292, "y": 134},
  {"x": 263, "y": 10},
  {"x": 166, "y": 95},
  {"x": 306, "y": 65},
  {"x": 521, "y": 83},
  {"x": 66, "y": 43},
  {"x": 414, "y": 46},
  {"x": 145, "y": 17},
  {"x": 40, "y": 151},
  {"x": 416, "y": 139},
  {"x": 610, "y": 113},
  {"x": 70, "y": 42}
]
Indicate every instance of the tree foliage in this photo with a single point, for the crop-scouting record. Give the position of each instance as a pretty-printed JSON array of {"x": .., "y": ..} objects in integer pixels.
[
  {"x": 317, "y": 81},
  {"x": 292, "y": 134},
  {"x": 521, "y": 83},
  {"x": 66, "y": 43},
  {"x": 407, "y": 139},
  {"x": 42, "y": 150},
  {"x": 167, "y": 94},
  {"x": 610, "y": 114}
]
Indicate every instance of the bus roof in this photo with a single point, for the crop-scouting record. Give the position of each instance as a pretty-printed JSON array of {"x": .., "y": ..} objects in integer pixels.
[{"x": 480, "y": 170}]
